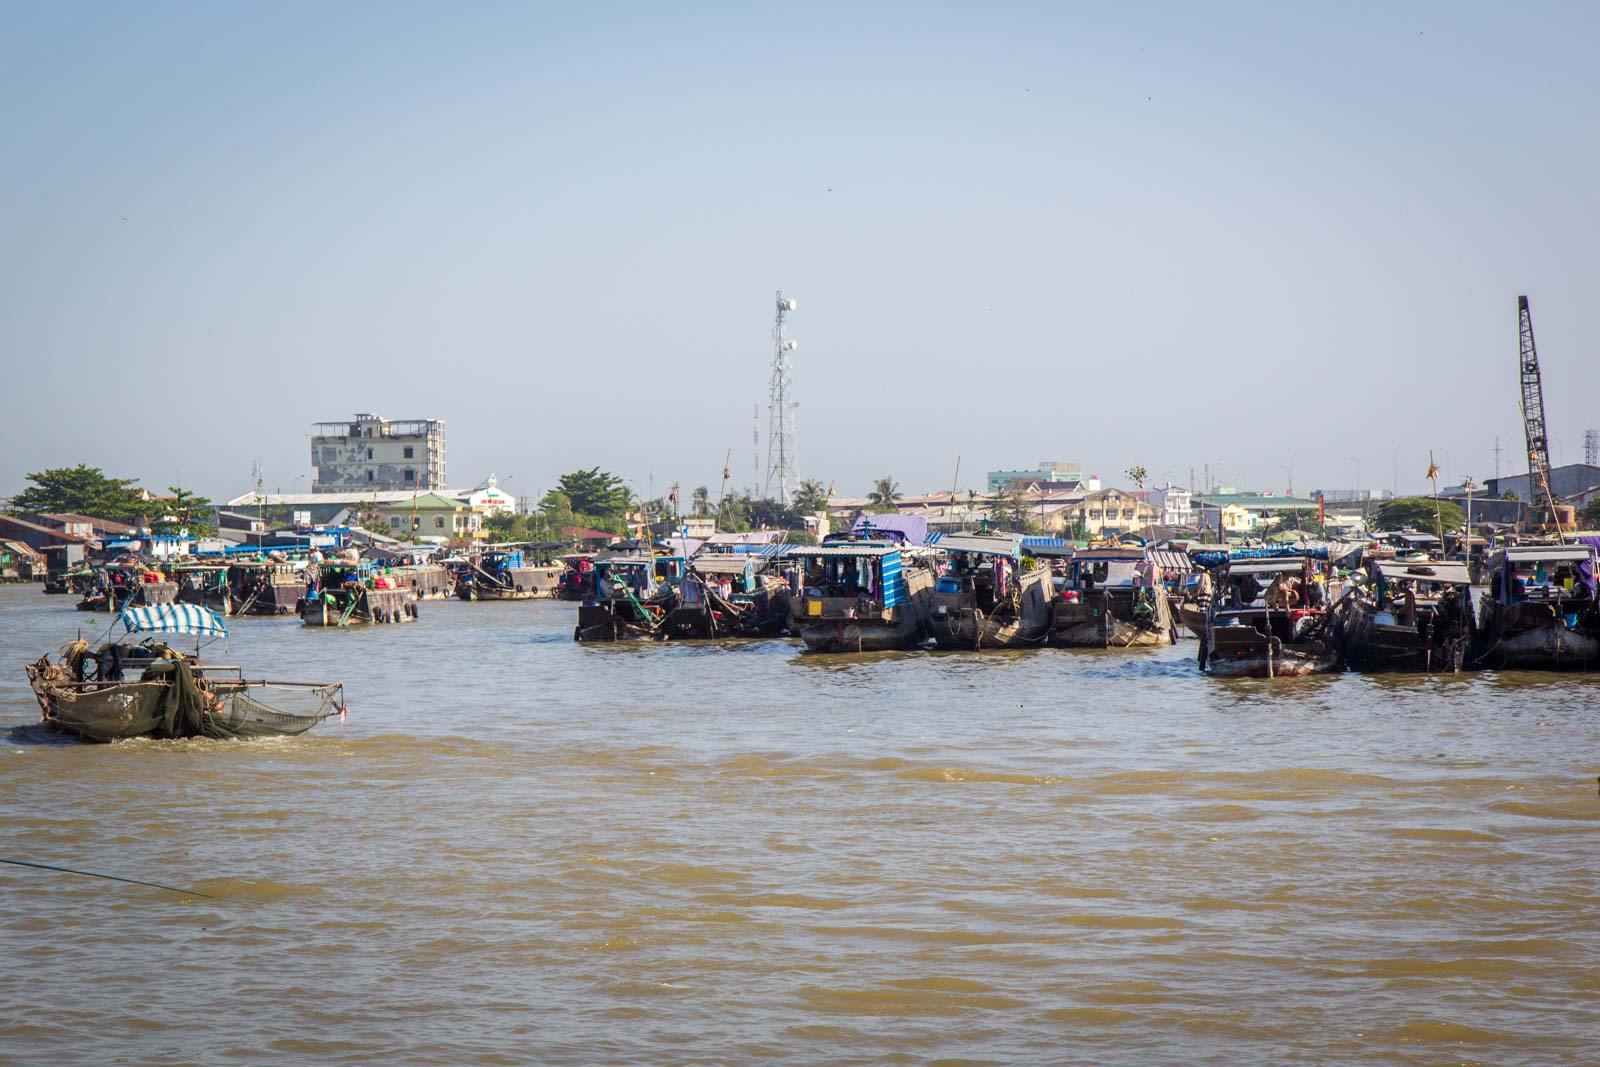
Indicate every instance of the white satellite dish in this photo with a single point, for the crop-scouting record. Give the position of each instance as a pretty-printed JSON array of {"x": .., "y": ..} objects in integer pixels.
[
  {"x": 790, "y": 345},
  {"x": 789, "y": 303}
]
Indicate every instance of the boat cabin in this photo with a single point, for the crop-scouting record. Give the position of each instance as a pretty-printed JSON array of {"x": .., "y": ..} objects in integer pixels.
[
  {"x": 1561, "y": 576},
  {"x": 978, "y": 571},
  {"x": 849, "y": 579}
]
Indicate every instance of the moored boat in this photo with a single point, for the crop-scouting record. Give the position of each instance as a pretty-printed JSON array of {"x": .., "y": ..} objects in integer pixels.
[
  {"x": 989, "y": 595},
  {"x": 1256, "y": 630},
  {"x": 126, "y": 582},
  {"x": 729, "y": 595},
  {"x": 1541, "y": 611},
  {"x": 1111, "y": 597},
  {"x": 635, "y": 590},
  {"x": 513, "y": 571},
  {"x": 205, "y": 585},
  {"x": 860, "y": 596},
  {"x": 1413, "y": 615},
  {"x": 347, "y": 592},
  {"x": 265, "y": 586}
]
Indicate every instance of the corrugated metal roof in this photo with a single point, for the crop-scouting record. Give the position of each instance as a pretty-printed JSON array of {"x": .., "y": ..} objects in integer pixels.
[
  {"x": 1551, "y": 553},
  {"x": 1004, "y": 545},
  {"x": 1430, "y": 571},
  {"x": 859, "y": 549},
  {"x": 726, "y": 563},
  {"x": 1265, "y": 566}
]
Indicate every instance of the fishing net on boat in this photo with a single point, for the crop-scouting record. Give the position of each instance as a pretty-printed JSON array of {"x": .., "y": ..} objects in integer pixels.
[{"x": 273, "y": 710}]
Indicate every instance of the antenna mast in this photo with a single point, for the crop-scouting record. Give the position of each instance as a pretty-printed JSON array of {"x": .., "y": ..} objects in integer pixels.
[{"x": 780, "y": 408}]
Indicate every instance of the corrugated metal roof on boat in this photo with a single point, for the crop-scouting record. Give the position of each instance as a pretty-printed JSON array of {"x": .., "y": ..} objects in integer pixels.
[
  {"x": 860, "y": 549},
  {"x": 1007, "y": 545},
  {"x": 1450, "y": 573}
]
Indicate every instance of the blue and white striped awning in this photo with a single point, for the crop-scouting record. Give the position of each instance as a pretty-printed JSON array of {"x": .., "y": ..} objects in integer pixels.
[{"x": 174, "y": 619}]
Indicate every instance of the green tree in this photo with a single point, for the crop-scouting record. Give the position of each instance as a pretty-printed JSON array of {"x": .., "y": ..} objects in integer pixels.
[
  {"x": 184, "y": 510},
  {"x": 1010, "y": 509},
  {"x": 1417, "y": 512},
  {"x": 83, "y": 490},
  {"x": 811, "y": 498},
  {"x": 735, "y": 514},
  {"x": 885, "y": 494},
  {"x": 700, "y": 501},
  {"x": 1137, "y": 475},
  {"x": 1589, "y": 517},
  {"x": 595, "y": 492}
]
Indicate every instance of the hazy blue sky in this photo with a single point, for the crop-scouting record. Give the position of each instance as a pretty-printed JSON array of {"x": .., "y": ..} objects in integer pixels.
[{"x": 1253, "y": 235}]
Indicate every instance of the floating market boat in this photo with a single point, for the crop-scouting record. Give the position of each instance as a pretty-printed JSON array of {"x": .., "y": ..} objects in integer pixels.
[
  {"x": 122, "y": 691},
  {"x": 1111, "y": 598},
  {"x": 1541, "y": 612},
  {"x": 635, "y": 590},
  {"x": 860, "y": 596},
  {"x": 204, "y": 584},
  {"x": 730, "y": 595},
  {"x": 124, "y": 582},
  {"x": 989, "y": 595},
  {"x": 347, "y": 592},
  {"x": 513, "y": 571},
  {"x": 1413, "y": 615},
  {"x": 577, "y": 576},
  {"x": 1255, "y": 630},
  {"x": 266, "y": 586}
]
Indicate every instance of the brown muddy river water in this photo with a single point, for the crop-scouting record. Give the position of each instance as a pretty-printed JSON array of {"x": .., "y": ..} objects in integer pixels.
[{"x": 521, "y": 850}]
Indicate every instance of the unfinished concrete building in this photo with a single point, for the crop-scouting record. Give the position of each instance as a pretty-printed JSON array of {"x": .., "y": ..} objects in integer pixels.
[{"x": 370, "y": 452}]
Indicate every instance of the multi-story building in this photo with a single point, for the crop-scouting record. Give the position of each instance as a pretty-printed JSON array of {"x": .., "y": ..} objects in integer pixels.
[
  {"x": 1061, "y": 475},
  {"x": 1177, "y": 505},
  {"x": 372, "y": 453}
]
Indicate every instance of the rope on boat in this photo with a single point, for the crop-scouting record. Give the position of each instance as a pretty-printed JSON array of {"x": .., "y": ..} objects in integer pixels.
[{"x": 109, "y": 878}]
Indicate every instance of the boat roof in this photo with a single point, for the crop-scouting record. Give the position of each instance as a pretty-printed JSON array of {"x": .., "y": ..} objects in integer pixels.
[
  {"x": 725, "y": 562},
  {"x": 1549, "y": 553},
  {"x": 991, "y": 545},
  {"x": 1266, "y": 566},
  {"x": 859, "y": 549},
  {"x": 1447, "y": 573},
  {"x": 1109, "y": 555},
  {"x": 1061, "y": 551}
]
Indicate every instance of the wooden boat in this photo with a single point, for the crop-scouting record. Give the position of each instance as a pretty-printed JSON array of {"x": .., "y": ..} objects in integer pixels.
[
  {"x": 1412, "y": 616},
  {"x": 117, "y": 585},
  {"x": 1111, "y": 598},
  {"x": 266, "y": 586},
  {"x": 860, "y": 596},
  {"x": 204, "y": 584},
  {"x": 729, "y": 595},
  {"x": 984, "y": 598},
  {"x": 577, "y": 576},
  {"x": 122, "y": 691},
  {"x": 635, "y": 590},
  {"x": 347, "y": 593},
  {"x": 1541, "y": 612},
  {"x": 519, "y": 571},
  {"x": 1246, "y": 636}
]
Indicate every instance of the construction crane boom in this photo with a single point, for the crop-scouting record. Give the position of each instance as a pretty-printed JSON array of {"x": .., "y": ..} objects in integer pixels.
[
  {"x": 1533, "y": 399},
  {"x": 1533, "y": 424}
]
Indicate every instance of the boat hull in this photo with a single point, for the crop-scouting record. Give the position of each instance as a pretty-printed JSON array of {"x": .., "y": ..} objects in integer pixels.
[
  {"x": 845, "y": 635},
  {"x": 1095, "y": 624},
  {"x": 337, "y": 608},
  {"x": 1251, "y": 655}
]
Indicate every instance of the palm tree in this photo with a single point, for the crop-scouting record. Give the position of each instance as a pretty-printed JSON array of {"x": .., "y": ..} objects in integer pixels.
[
  {"x": 701, "y": 499},
  {"x": 885, "y": 494},
  {"x": 811, "y": 497}
]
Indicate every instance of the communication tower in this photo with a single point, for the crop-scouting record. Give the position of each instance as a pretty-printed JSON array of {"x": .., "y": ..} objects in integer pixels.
[
  {"x": 1591, "y": 447},
  {"x": 781, "y": 476}
]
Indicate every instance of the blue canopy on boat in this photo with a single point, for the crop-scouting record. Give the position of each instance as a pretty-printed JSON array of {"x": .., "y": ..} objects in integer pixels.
[{"x": 174, "y": 619}]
